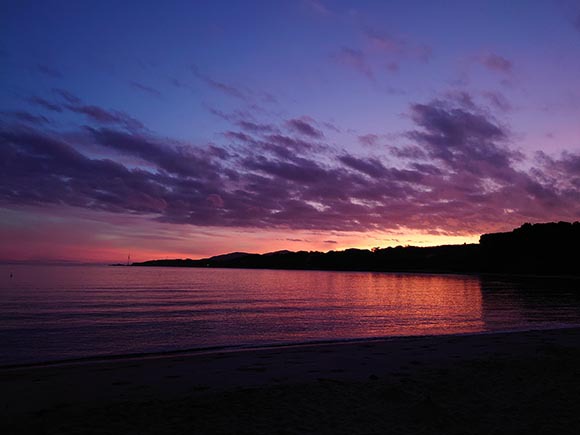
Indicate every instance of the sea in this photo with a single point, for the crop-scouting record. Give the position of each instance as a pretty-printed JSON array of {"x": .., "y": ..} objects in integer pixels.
[{"x": 61, "y": 313}]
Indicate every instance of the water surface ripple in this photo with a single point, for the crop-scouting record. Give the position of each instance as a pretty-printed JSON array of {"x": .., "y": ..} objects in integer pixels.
[{"x": 50, "y": 313}]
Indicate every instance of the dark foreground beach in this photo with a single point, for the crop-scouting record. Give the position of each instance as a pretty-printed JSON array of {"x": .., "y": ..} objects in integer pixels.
[{"x": 521, "y": 382}]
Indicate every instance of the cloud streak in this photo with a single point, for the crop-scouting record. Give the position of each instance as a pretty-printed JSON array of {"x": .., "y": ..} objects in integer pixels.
[
  {"x": 304, "y": 127},
  {"x": 145, "y": 89},
  {"x": 224, "y": 88},
  {"x": 92, "y": 113}
]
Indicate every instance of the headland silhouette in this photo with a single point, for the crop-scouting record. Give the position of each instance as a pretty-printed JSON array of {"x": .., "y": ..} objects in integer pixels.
[{"x": 543, "y": 249}]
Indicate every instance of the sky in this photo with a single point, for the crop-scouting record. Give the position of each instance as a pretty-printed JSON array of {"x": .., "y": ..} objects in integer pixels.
[{"x": 189, "y": 129}]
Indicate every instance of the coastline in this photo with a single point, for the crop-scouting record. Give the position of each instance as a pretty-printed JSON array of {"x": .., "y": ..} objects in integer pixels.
[
  {"x": 210, "y": 350},
  {"x": 505, "y": 275},
  {"x": 410, "y": 383}
]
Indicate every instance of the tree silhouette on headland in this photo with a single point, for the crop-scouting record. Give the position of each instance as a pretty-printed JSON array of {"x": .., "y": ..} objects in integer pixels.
[{"x": 550, "y": 248}]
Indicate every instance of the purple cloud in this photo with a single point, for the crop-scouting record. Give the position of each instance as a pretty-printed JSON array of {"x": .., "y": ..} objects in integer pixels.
[
  {"x": 67, "y": 96},
  {"x": 242, "y": 137},
  {"x": 256, "y": 128},
  {"x": 461, "y": 138},
  {"x": 318, "y": 7},
  {"x": 458, "y": 174},
  {"x": 93, "y": 113},
  {"x": 103, "y": 116},
  {"x": 304, "y": 127},
  {"x": 397, "y": 48},
  {"x": 498, "y": 101},
  {"x": 300, "y": 171},
  {"x": 291, "y": 143},
  {"x": 393, "y": 67},
  {"x": 369, "y": 139},
  {"x": 370, "y": 166},
  {"x": 462, "y": 99},
  {"x": 497, "y": 63},
  {"x": 224, "y": 88},
  {"x": 576, "y": 22},
  {"x": 270, "y": 133},
  {"x": 28, "y": 117},
  {"x": 390, "y": 51},
  {"x": 48, "y": 71},
  {"x": 179, "y": 83},
  {"x": 562, "y": 172},
  {"x": 181, "y": 160},
  {"x": 45, "y": 104},
  {"x": 356, "y": 60},
  {"x": 410, "y": 152},
  {"x": 215, "y": 200},
  {"x": 41, "y": 169},
  {"x": 384, "y": 42}
]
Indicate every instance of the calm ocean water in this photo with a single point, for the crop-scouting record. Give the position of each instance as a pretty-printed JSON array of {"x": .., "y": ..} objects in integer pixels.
[{"x": 60, "y": 312}]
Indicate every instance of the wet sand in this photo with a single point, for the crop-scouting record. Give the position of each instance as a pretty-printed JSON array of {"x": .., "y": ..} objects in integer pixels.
[{"x": 521, "y": 382}]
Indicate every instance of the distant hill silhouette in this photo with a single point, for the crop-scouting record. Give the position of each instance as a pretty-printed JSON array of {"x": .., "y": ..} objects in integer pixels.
[{"x": 543, "y": 249}]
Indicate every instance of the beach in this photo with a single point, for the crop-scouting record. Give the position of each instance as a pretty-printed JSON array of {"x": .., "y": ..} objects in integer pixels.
[{"x": 513, "y": 382}]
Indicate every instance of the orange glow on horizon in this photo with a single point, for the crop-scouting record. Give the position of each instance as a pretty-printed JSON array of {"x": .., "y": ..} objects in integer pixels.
[{"x": 81, "y": 239}]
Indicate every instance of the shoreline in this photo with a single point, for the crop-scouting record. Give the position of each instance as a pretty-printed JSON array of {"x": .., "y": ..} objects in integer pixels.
[
  {"x": 394, "y": 271},
  {"x": 211, "y": 350},
  {"x": 502, "y": 382}
]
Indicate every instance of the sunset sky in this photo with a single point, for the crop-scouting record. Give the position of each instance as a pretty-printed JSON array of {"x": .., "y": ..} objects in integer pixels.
[{"x": 171, "y": 129}]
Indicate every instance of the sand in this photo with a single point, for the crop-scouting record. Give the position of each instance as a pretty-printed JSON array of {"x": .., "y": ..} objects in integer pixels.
[{"x": 521, "y": 382}]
